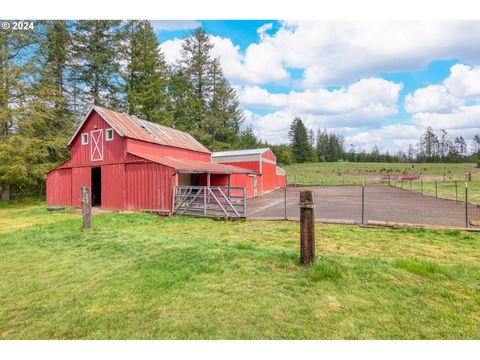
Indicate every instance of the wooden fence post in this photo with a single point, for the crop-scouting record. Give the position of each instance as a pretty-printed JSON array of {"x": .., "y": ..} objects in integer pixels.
[
  {"x": 86, "y": 207},
  {"x": 307, "y": 227}
]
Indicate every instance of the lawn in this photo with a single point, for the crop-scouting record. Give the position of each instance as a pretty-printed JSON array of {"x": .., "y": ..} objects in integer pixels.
[
  {"x": 347, "y": 173},
  {"x": 137, "y": 276}
]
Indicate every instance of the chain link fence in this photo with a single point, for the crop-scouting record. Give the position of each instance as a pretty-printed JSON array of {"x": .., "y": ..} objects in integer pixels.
[{"x": 378, "y": 201}]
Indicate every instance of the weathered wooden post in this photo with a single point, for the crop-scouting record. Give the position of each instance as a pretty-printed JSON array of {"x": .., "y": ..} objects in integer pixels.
[
  {"x": 86, "y": 207},
  {"x": 307, "y": 227}
]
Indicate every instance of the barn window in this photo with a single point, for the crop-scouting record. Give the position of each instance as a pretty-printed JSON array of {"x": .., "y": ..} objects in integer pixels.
[
  {"x": 109, "y": 134},
  {"x": 84, "y": 139}
]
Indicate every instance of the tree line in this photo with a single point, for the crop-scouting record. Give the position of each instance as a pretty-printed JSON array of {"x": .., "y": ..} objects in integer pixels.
[
  {"x": 431, "y": 147},
  {"x": 51, "y": 75}
]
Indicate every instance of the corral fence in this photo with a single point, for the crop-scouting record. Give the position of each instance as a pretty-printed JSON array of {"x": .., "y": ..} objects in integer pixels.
[
  {"x": 395, "y": 200},
  {"x": 210, "y": 201}
]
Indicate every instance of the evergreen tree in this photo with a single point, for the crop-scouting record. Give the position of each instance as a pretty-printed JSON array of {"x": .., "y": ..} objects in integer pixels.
[
  {"x": 15, "y": 50},
  {"x": 224, "y": 114},
  {"x": 322, "y": 145},
  {"x": 95, "y": 63},
  {"x": 196, "y": 62},
  {"x": 428, "y": 146},
  {"x": 145, "y": 73},
  {"x": 181, "y": 100},
  {"x": 247, "y": 139},
  {"x": 299, "y": 141}
]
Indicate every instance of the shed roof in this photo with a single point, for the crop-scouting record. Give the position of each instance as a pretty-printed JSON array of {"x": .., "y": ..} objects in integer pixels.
[
  {"x": 132, "y": 127},
  {"x": 240, "y": 152},
  {"x": 192, "y": 166}
]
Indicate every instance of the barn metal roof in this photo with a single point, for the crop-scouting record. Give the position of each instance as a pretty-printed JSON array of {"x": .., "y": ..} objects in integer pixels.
[
  {"x": 193, "y": 166},
  {"x": 240, "y": 152},
  {"x": 132, "y": 127}
]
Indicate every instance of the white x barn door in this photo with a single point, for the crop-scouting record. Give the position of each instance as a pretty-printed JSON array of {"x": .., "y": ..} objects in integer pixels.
[{"x": 96, "y": 145}]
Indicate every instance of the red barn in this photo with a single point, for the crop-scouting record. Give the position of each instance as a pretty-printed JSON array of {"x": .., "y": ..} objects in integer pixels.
[
  {"x": 267, "y": 175},
  {"x": 133, "y": 164}
]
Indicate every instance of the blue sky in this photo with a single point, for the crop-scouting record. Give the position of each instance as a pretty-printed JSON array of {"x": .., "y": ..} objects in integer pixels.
[{"x": 377, "y": 83}]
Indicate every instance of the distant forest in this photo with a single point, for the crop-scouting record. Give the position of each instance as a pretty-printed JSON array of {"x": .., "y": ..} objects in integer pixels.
[
  {"x": 52, "y": 74},
  {"x": 306, "y": 146}
]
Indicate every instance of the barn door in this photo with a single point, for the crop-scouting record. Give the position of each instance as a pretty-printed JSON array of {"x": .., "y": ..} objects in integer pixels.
[{"x": 96, "y": 145}]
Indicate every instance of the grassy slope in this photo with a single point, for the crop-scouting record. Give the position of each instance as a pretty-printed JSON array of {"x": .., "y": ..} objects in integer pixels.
[
  {"x": 355, "y": 173},
  {"x": 138, "y": 276}
]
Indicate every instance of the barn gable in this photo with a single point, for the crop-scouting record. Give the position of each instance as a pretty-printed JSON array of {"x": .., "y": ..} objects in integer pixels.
[{"x": 130, "y": 126}]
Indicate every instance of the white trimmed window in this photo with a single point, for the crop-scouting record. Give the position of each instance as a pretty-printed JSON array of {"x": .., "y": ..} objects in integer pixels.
[
  {"x": 85, "y": 139},
  {"x": 109, "y": 134}
]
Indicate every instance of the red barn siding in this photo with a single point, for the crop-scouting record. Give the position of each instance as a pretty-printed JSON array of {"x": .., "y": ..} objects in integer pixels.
[
  {"x": 242, "y": 180},
  {"x": 80, "y": 177},
  {"x": 281, "y": 180},
  {"x": 269, "y": 155},
  {"x": 149, "y": 186},
  {"x": 269, "y": 176},
  {"x": 250, "y": 165},
  {"x": 113, "y": 187},
  {"x": 59, "y": 187},
  {"x": 113, "y": 151},
  {"x": 150, "y": 148}
]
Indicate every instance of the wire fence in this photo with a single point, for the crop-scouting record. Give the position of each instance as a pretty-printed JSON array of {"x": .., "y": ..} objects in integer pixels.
[{"x": 415, "y": 201}]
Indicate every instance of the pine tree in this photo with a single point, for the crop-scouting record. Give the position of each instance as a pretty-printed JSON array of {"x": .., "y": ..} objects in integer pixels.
[
  {"x": 224, "y": 114},
  {"x": 196, "y": 63},
  {"x": 299, "y": 141},
  {"x": 95, "y": 63},
  {"x": 247, "y": 139},
  {"x": 15, "y": 53},
  {"x": 145, "y": 74},
  {"x": 476, "y": 147},
  {"x": 181, "y": 100}
]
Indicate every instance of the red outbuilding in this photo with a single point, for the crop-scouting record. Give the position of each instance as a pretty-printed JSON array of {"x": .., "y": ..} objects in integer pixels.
[
  {"x": 266, "y": 176},
  {"x": 133, "y": 164}
]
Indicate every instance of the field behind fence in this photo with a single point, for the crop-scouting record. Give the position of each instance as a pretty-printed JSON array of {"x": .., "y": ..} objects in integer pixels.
[{"x": 363, "y": 193}]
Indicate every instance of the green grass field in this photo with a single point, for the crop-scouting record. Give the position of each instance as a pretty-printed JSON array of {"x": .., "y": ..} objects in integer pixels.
[
  {"x": 346, "y": 173},
  {"x": 137, "y": 276}
]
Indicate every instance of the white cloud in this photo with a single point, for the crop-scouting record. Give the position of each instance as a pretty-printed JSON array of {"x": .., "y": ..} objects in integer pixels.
[
  {"x": 172, "y": 50},
  {"x": 339, "y": 52},
  {"x": 173, "y": 25},
  {"x": 434, "y": 98},
  {"x": 464, "y": 81},
  {"x": 336, "y": 52},
  {"x": 463, "y": 117},
  {"x": 447, "y": 106},
  {"x": 371, "y": 98}
]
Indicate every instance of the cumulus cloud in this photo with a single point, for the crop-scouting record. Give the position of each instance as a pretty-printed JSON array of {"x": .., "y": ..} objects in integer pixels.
[
  {"x": 452, "y": 105},
  {"x": 339, "y": 52},
  {"x": 434, "y": 98},
  {"x": 373, "y": 97}
]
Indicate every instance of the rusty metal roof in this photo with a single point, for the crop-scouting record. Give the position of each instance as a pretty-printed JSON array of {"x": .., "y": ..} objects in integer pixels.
[
  {"x": 193, "y": 166},
  {"x": 132, "y": 127}
]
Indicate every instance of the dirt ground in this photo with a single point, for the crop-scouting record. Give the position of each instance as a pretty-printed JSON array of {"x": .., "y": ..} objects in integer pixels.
[{"x": 382, "y": 203}]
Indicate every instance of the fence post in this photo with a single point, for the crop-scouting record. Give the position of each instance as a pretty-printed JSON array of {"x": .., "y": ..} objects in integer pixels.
[
  {"x": 421, "y": 186},
  {"x": 456, "y": 191},
  {"x": 245, "y": 200},
  {"x": 410, "y": 184},
  {"x": 466, "y": 203},
  {"x": 436, "y": 189},
  {"x": 307, "y": 227},
  {"x": 204, "y": 201},
  {"x": 363, "y": 202},
  {"x": 388, "y": 180},
  {"x": 86, "y": 207},
  {"x": 285, "y": 203}
]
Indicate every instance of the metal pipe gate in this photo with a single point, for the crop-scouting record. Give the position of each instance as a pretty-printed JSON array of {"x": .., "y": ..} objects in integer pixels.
[{"x": 210, "y": 201}]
